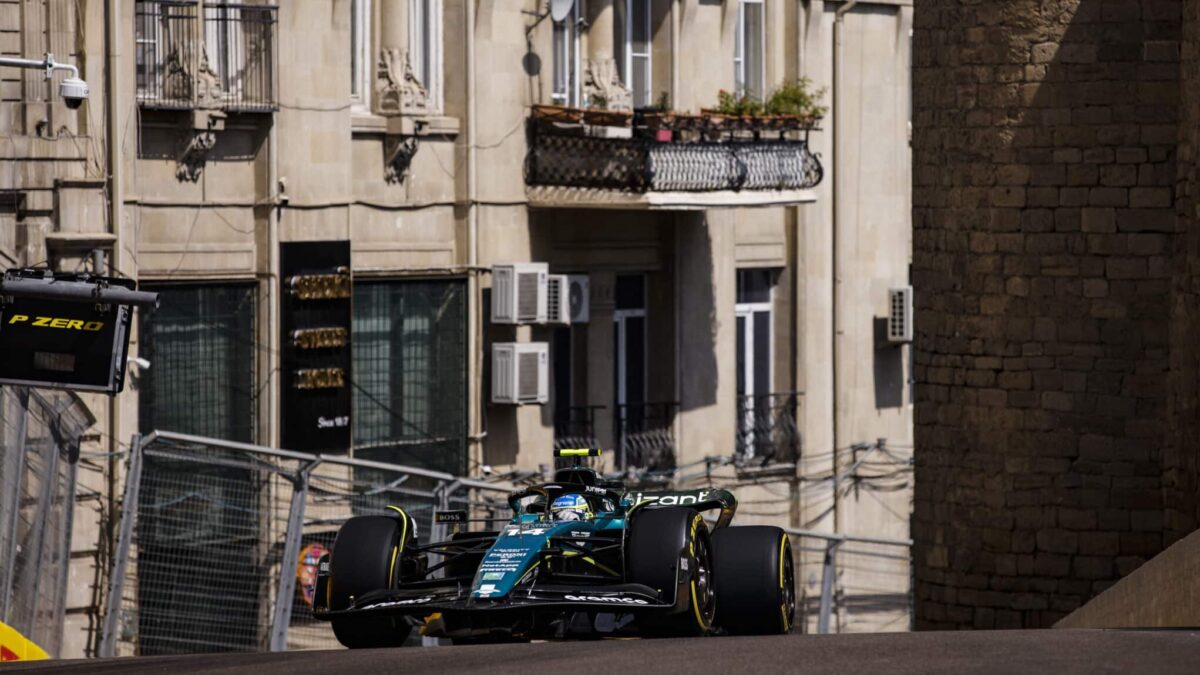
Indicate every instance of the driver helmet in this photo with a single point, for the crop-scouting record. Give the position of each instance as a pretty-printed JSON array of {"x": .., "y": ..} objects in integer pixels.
[{"x": 570, "y": 507}]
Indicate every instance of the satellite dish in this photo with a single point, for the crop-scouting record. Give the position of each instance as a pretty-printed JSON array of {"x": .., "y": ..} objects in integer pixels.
[{"x": 561, "y": 9}]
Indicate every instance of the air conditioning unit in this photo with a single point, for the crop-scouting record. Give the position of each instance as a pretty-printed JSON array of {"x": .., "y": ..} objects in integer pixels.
[
  {"x": 521, "y": 372},
  {"x": 578, "y": 298},
  {"x": 519, "y": 293},
  {"x": 557, "y": 309},
  {"x": 900, "y": 314}
]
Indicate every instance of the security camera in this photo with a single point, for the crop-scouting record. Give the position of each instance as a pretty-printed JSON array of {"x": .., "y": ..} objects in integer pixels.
[{"x": 73, "y": 91}]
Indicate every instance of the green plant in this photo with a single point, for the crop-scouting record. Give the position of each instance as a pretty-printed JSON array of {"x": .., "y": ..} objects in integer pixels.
[
  {"x": 798, "y": 99},
  {"x": 738, "y": 106}
]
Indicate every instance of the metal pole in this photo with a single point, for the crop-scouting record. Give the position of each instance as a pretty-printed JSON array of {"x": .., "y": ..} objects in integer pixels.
[
  {"x": 827, "y": 579},
  {"x": 38, "y": 533},
  {"x": 12, "y": 489},
  {"x": 77, "y": 291},
  {"x": 116, "y": 588},
  {"x": 287, "y": 564}
]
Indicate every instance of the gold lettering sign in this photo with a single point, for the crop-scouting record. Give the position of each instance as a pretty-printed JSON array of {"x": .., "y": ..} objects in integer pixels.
[
  {"x": 319, "y": 338},
  {"x": 320, "y": 286},
  {"x": 320, "y": 378}
]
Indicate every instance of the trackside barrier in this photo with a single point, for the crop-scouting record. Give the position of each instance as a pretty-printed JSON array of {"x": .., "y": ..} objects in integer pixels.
[
  {"x": 39, "y": 448},
  {"x": 218, "y": 540},
  {"x": 871, "y": 548}
]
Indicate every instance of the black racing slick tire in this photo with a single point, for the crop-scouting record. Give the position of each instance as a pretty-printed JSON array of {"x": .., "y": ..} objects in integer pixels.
[
  {"x": 756, "y": 581},
  {"x": 659, "y": 539},
  {"x": 364, "y": 559}
]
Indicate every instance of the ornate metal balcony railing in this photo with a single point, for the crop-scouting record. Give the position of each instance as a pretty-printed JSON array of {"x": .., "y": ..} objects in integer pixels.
[
  {"x": 645, "y": 435},
  {"x": 767, "y": 432},
  {"x": 575, "y": 427},
  {"x": 560, "y": 155},
  {"x": 225, "y": 61}
]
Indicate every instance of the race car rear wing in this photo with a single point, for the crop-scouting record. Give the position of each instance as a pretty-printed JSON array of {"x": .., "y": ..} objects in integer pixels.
[{"x": 703, "y": 499}]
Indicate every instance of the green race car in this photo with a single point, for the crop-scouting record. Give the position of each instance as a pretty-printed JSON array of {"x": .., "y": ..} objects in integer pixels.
[{"x": 581, "y": 557}]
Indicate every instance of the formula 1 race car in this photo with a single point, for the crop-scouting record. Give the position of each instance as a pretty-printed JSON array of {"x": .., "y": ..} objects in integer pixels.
[{"x": 581, "y": 557}]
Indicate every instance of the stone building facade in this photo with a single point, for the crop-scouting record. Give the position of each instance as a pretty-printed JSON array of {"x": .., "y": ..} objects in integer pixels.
[
  {"x": 218, "y": 134},
  {"x": 1054, "y": 262}
]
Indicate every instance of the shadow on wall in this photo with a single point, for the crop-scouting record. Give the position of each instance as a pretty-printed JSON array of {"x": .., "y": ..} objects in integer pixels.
[
  {"x": 1043, "y": 215},
  {"x": 889, "y": 369},
  {"x": 697, "y": 340}
]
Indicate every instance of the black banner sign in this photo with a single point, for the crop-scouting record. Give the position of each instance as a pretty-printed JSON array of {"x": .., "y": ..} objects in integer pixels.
[
  {"x": 316, "y": 306},
  {"x": 65, "y": 344}
]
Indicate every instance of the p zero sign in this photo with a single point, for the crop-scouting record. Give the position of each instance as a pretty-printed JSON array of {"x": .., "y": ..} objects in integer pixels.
[
  {"x": 63, "y": 333},
  {"x": 316, "y": 307}
]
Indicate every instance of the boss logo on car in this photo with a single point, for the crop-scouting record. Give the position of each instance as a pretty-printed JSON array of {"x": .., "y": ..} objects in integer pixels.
[
  {"x": 398, "y": 603},
  {"x": 595, "y": 598}
]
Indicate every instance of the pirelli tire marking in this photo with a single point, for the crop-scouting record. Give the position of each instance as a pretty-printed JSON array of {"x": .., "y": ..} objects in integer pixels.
[{"x": 57, "y": 322}]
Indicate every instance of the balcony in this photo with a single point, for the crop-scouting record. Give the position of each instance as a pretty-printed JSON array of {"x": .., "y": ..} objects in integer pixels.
[
  {"x": 645, "y": 434},
  {"x": 659, "y": 161},
  {"x": 223, "y": 61},
  {"x": 575, "y": 427},
  {"x": 767, "y": 433}
]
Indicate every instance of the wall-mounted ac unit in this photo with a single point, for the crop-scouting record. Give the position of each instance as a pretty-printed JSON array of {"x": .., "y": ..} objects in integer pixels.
[
  {"x": 578, "y": 298},
  {"x": 557, "y": 306},
  {"x": 519, "y": 293},
  {"x": 521, "y": 372},
  {"x": 900, "y": 314}
]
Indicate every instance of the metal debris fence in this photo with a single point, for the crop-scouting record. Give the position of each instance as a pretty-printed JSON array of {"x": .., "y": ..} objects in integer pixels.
[
  {"x": 217, "y": 540},
  {"x": 39, "y": 447}
]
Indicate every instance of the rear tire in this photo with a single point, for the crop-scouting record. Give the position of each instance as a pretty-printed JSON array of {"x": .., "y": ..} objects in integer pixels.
[
  {"x": 756, "y": 584},
  {"x": 658, "y": 540},
  {"x": 365, "y": 558}
]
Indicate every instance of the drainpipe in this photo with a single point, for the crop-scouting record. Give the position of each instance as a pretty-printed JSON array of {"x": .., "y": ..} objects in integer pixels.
[
  {"x": 838, "y": 166},
  {"x": 274, "y": 338},
  {"x": 675, "y": 36},
  {"x": 475, "y": 437},
  {"x": 116, "y": 197}
]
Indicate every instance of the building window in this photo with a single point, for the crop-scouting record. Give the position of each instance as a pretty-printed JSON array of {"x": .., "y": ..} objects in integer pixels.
[
  {"x": 633, "y": 40},
  {"x": 425, "y": 46},
  {"x": 360, "y": 52},
  {"x": 212, "y": 55},
  {"x": 566, "y": 59},
  {"x": 410, "y": 373},
  {"x": 749, "y": 48},
  {"x": 200, "y": 344}
]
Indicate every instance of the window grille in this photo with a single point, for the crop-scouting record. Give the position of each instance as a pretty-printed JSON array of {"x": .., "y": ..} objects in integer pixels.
[{"x": 410, "y": 373}]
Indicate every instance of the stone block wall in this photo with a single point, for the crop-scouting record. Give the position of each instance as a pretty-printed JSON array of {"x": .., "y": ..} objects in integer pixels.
[{"x": 1046, "y": 149}]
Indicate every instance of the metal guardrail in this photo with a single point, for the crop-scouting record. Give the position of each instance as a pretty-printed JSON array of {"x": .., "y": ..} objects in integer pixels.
[
  {"x": 216, "y": 539},
  {"x": 567, "y": 157},
  {"x": 833, "y": 543}
]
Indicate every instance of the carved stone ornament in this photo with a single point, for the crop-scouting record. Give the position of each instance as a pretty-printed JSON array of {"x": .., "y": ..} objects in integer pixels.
[
  {"x": 398, "y": 153},
  {"x": 194, "y": 154},
  {"x": 208, "y": 84},
  {"x": 397, "y": 89},
  {"x": 603, "y": 88}
]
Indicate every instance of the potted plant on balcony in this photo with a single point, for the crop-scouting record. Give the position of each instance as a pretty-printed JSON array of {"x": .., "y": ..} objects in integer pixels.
[{"x": 797, "y": 104}]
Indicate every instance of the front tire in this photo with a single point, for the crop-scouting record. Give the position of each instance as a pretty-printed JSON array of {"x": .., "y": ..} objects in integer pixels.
[
  {"x": 756, "y": 587},
  {"x": 659, "y": 539},
  {"x": 365, "y": 558}
]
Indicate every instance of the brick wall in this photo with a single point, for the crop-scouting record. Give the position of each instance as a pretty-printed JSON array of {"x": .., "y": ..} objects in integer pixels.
[{"x": 1045, "y": 139}]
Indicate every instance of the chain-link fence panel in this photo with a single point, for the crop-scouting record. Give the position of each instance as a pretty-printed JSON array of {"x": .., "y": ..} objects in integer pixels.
[
  {"x": 39, "y": 447},
  {"x": 219, "y": 541},
  {"x": 206, "y": 549}
]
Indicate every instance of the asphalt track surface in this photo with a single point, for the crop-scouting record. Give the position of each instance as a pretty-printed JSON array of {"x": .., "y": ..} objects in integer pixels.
[{"x": 1060, "y": 652}]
